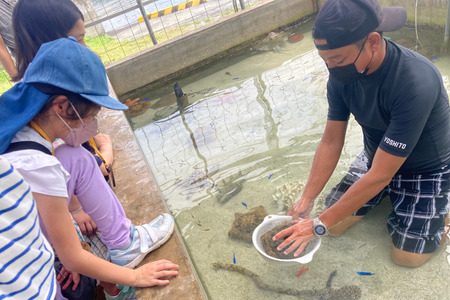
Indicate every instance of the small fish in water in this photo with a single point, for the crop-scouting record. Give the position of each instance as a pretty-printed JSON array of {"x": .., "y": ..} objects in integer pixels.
[
  {"x": 243, "y": 203},
  {"x": 365, "y": 273},
  {"x": 295, "y": 38},
  {"x": 228, "y": 73}
]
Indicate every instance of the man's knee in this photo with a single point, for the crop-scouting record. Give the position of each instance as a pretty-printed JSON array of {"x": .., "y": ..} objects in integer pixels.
[
  {"x": 342, "y": 227},
  {"x": 414, "y": 260},
  {"x": 409, "y": 259}
]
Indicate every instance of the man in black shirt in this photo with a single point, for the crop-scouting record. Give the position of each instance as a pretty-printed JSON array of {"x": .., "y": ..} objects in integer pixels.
[{"x": 398, "y": 98}]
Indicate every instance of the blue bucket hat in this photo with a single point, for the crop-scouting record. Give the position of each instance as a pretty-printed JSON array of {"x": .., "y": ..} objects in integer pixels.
[
  {"x": 63, "y": 64},
  {"x": 66, "y": 64}
]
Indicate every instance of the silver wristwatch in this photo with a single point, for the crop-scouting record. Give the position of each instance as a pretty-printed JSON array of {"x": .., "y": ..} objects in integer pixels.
[{"x": 319, "y": 228}]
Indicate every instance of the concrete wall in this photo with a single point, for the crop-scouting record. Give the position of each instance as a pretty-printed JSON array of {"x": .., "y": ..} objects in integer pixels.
[
  {"x": 174, "y": 55},
  {"x": 157, "y": 64},
  {"x": 430, "y": 13}
]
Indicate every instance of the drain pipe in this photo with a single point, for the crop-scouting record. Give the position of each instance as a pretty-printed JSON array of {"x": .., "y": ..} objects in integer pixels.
[{"x": 447, "y": 29}]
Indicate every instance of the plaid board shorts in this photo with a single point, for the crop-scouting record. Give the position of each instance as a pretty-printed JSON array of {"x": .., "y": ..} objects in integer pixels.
[{"x": 420, "y": 205}]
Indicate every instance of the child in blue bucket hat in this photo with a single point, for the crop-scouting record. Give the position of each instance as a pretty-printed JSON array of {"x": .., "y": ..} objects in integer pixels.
[{"x": 62, "y": 91}]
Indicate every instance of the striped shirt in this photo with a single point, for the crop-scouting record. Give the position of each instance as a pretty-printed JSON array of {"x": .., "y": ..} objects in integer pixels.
[{"x": 26, "y": 257}]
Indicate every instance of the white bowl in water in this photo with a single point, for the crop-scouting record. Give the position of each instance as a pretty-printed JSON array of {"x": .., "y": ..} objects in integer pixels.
[{"x": 270, "y": 222}]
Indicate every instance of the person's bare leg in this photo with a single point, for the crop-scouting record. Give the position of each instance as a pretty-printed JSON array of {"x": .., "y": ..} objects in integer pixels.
[
  {"x": 110, "y": 288},
  {"x": 413, "y": 260},
  {"x": 409, "y": 259},
  {"x": 342, "y": 227}
]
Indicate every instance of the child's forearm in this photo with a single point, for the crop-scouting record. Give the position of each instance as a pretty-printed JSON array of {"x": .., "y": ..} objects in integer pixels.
[
  {"x": 6, "y": 60},
  {"x": 92, "y": 266},
  {"x": 74, "y": 204}
]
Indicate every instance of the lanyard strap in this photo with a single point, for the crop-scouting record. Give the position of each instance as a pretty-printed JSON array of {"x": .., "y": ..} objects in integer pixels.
[
  {"x": 42, "y": 133},
  {"x": 108, "y": 167},
  {"x": 94, "y": 146}
]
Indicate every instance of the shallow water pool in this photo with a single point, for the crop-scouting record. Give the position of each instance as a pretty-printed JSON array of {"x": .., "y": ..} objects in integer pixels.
[{"x": 249, "y": 132}]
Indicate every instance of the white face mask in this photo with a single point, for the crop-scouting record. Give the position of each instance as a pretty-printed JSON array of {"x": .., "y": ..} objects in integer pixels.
[{"x": 81, "y": 134}]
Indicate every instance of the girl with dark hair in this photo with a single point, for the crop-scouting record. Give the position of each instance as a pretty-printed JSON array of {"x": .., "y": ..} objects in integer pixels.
[{"x": 39, "y": 22}]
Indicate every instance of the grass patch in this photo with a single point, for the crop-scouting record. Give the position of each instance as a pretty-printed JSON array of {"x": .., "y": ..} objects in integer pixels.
[
  {"x": 109, "y": 49},
  {"x": 5, "y": 80}
]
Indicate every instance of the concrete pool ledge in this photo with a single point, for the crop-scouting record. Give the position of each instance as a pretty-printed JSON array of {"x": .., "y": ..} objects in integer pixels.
[{"x": 142, "y": 201}]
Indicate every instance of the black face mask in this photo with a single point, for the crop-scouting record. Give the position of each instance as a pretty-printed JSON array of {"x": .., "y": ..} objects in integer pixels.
[{"x": 348, "y": 73}]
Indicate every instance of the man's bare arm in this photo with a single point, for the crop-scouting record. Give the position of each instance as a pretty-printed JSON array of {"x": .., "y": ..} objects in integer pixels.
[{"x": 325, "y": 161}]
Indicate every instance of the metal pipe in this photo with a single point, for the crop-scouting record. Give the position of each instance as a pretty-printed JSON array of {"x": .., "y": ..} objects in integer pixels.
[
  {"x": 242, "y": 4},
  {"x": 147, "y": 21},
  {"x": 447, "y": 24},
  {"x": 444, "y": 46},
  {"x": 235, "y": 7}
]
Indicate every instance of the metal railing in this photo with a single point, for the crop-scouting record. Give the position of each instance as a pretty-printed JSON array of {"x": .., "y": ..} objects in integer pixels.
[
  {"x": 119, "y": 28},
  {"x": 114, "y": 31}
]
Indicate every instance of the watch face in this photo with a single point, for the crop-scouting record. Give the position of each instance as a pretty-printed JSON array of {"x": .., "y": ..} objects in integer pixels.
[{"x": 320, "y": 230}]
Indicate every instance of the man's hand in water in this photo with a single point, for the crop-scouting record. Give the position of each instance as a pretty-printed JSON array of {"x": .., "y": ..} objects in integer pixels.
[{"x": 299, "y": 234}]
